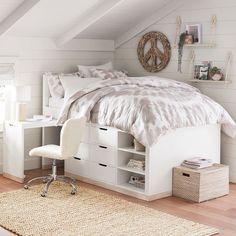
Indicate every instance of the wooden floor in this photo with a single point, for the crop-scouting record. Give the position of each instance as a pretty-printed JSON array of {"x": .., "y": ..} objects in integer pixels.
[{"x": 220, "y": 213}]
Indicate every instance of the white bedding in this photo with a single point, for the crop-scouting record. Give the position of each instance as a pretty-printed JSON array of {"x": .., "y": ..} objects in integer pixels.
[{"x": 146, "y": 107}]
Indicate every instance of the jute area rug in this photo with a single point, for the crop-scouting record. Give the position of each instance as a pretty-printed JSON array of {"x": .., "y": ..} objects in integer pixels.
[{"x": 88, "y": 213}]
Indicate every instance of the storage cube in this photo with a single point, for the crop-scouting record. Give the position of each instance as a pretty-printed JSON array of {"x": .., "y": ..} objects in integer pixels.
[{"x": 200, "y": 185}]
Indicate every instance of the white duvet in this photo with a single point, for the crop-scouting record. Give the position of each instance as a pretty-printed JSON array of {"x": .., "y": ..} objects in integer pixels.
[{"x": 146, "y": 107}]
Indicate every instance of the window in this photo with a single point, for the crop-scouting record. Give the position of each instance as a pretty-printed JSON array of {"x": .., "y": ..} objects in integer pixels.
[{"x": 7, "y": 74}]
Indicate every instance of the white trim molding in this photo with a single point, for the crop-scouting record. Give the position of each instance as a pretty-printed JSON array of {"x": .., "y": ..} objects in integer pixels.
[{"x": 18, "y": 13}]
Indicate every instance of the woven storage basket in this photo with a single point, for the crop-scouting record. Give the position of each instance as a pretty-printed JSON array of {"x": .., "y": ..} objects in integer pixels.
[{"x": 201, "y": 185}]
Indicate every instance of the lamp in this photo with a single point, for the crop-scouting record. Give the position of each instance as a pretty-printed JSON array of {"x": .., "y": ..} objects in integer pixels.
[{"x": 22, "y": 95}]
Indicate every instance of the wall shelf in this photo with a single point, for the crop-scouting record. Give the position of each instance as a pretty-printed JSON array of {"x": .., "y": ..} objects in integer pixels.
[
  {"x": 210, "y": 81},
  {"x": 198, "y": 45}
]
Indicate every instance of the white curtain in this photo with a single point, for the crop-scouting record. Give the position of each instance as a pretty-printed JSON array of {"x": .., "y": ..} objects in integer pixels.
[{"x": 7, "y": 75}]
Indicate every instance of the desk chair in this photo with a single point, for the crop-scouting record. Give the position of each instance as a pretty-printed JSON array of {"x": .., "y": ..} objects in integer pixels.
[{"x": 70, "y": 138}]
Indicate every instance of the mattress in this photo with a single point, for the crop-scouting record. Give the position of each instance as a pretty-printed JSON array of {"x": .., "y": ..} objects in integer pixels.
[{"x": 55, "y": 102}]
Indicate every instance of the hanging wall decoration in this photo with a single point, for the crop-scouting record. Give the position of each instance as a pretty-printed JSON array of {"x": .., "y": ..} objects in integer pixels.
[{"x": 154, "y": 51}]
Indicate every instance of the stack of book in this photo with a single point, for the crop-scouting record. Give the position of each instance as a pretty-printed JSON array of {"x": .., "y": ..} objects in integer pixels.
[{"x": 197, "y": 163}]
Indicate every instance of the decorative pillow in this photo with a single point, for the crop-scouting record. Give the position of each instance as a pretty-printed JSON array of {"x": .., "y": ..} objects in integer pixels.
[
  {"x": 85, "y": 70},
  {"x": 107, "y": 74},
  {"x": 54, "y": 84},
  {"x": 73, "y": 85}
]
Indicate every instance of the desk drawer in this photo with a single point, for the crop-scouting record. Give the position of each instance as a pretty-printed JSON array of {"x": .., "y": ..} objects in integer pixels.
[
  {"x": 103, "y": 135},
  {"x": 103, "y": 173},
  {"x": 83, "y": 152},
  {"x": 102, "y": 154},
  {"x": 77, "y": 167}
]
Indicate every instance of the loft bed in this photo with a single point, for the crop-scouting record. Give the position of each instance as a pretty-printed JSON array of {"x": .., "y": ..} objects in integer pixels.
[{"x": 105, "y": 151}]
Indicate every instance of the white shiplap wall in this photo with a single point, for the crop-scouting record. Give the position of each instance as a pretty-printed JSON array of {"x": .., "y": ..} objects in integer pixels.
[
  {"x": 36, "y": 56},
  {"x": 197, "y": 12}
]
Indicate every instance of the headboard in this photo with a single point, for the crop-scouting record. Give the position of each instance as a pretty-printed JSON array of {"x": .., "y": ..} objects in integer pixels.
[{"x": 46, "y": 95}]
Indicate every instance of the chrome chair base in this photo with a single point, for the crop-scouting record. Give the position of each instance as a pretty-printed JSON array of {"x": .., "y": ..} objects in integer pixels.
[{"x": 51, "y": 178}]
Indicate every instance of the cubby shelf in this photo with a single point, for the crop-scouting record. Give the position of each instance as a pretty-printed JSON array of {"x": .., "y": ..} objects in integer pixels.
[
  {"x": 131, "y": 150},
  {"x": 128, "y": 186},
  {"x": 141, "y": 172},
  {"x": 210, "y": 81}
]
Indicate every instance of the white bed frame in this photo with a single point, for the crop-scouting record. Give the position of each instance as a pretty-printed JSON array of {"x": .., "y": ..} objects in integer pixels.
[{"x": 105, "y": 151}]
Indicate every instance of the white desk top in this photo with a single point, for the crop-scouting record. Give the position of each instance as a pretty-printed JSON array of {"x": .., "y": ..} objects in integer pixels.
[{"x": 32, "y": 124}]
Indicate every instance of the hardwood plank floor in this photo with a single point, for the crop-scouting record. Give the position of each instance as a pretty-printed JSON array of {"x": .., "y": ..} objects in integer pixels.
[{"x": 219, "y": 213}]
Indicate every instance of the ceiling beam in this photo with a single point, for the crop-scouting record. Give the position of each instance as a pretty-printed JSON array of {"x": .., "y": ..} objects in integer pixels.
[
  {"x": 164, "y": 11},
  {"x": 18, "y": 13},
  {"x": 88, "y": 19}
]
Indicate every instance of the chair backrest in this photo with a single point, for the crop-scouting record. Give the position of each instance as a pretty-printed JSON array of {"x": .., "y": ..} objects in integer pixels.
[{"x": 71, "y": 135}]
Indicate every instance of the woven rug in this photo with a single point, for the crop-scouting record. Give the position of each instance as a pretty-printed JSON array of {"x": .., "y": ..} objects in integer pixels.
[{"x": 88, "y": 213}]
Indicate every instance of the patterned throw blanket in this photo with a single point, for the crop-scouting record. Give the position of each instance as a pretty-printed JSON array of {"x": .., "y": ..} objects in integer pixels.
[{"x": 146, "y": 107}]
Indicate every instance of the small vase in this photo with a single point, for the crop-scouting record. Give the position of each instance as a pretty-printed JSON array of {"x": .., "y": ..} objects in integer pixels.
[{"x": 217, "y": 77}]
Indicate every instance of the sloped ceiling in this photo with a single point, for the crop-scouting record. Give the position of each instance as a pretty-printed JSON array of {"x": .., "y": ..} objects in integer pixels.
[
  {"x": 7, "y": 7},
  {"x": 64, "y": 20},
  {"x": 50, "y": 18},
  {"x": 125, "y": 16}
]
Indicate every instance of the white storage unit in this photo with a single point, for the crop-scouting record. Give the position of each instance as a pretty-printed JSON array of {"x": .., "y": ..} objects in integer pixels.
[{"x": 103, "y": 156}]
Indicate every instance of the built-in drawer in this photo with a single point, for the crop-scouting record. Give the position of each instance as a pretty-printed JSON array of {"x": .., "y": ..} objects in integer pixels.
[
  {"x": 103, "y": 135},
  {"x": 102, "y": 172},
  {"x": 103, "y": 154},
  {"x": 77, "y": 167},
  {"x": 85, "y": 137},
  {"x": 83, "y": 151}
]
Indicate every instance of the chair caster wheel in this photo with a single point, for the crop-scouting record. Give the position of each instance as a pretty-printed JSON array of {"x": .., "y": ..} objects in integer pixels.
[
  {"x": 26, "y": 187},
  {"x": 73, "y": 192}
]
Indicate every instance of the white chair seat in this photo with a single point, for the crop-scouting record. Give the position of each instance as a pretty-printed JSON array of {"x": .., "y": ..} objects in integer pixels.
[
  {"x": 49, "y": 151},
  {"x": 70, "y": 138}
]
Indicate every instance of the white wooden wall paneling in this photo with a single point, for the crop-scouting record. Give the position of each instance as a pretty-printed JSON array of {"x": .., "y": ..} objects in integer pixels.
[{"x": 196, "y": 12}]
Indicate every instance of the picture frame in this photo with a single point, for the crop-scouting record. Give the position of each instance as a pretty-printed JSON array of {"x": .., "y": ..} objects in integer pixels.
[
  {"x": 204, "y": 70},
  {"x": 196, "y": 73},
  {"x": 201, "y": 71},
  {"x": 196, "y": 31}
]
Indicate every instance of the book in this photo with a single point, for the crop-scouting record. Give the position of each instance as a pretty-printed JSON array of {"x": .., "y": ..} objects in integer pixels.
[
  {"x": 197, "y": 163},
  {"x": 40, "y": 118}
]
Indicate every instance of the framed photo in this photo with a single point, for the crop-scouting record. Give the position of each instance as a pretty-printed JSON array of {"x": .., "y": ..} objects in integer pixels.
[
  {"x": 201, "y": 71},
  {"x": 196, "y": 31},
  {"x": 204, "y": 72},
  {"x": 196, "y": 74}
]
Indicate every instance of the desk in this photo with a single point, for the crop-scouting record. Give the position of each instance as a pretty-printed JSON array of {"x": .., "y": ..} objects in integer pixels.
[{"x": 14, "y": 145}]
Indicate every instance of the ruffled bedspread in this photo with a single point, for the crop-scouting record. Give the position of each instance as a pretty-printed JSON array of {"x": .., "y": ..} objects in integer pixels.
[{"x": 146, "y": 107}]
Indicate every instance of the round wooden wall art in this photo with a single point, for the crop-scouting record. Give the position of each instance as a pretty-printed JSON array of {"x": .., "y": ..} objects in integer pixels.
[{"x": 154, "y": 51}]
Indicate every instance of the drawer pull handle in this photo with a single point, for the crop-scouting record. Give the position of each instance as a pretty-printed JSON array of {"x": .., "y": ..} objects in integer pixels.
[
  {"x": 103, "y": 165},
  {"x": 186, "y": 175},
  {"x": 77, "y": 158},
  {"x": 103, "y": 129},
  {"x": 102, "y": 147}
]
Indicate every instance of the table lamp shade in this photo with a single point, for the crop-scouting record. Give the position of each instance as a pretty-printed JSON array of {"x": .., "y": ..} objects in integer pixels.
[{"x": 22, "y": 95}]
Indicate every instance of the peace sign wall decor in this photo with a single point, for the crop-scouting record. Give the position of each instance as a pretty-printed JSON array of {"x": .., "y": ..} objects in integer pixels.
[{"x": 154, "y": 51}]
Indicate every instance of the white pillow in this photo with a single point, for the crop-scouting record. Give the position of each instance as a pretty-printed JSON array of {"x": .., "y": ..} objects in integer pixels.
[
  {"x": 72, "y": 85},
  {"x": 54, "y": 83},
  {"x": 107, "y": 74},
  {"x": 84, "y": 70}
]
